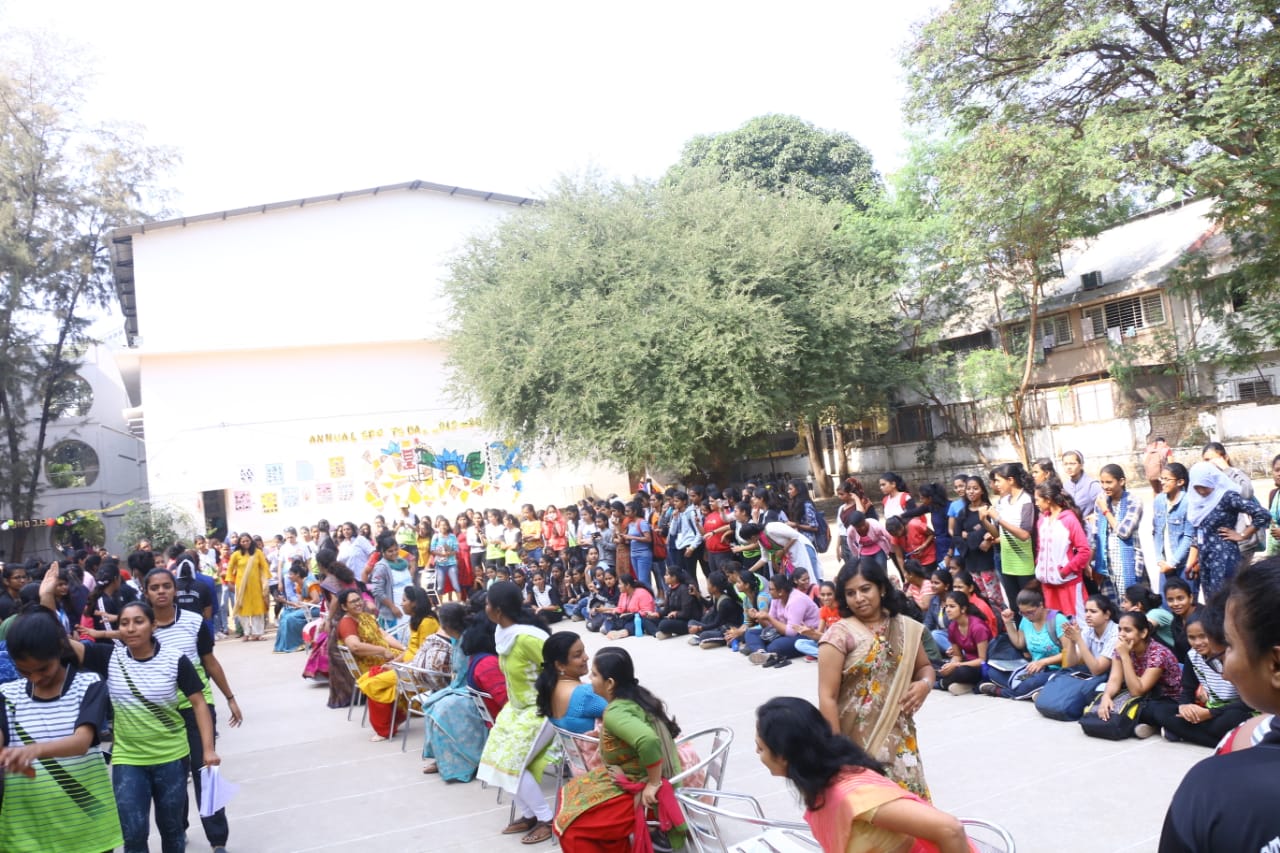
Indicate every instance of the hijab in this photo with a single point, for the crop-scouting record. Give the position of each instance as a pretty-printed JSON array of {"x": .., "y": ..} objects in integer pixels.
[{"x": 1199, "y": 506}]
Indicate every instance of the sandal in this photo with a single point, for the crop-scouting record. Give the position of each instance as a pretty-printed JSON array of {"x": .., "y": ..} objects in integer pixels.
[
  {"x": 430, "y": 767},
  {"x": 541, "y": 832},
  {"x": 782, "y": 662},
  {"x": 524, "y": 824}
]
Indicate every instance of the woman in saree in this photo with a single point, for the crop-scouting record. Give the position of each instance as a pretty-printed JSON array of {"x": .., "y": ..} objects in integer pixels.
[
  {"x": 519, "y": 746},
  {"x": 455, "y": 731},
  {"x": 372, "y": 647},
  {"x": 299, "y": 600},
  {"x": 600, "y": 810},
  {"x": 849, "y": 803},
  {"x": 248, "y": 570},
  {"x": 874, "y": 674},
  {"x": 425, "y": 632}
]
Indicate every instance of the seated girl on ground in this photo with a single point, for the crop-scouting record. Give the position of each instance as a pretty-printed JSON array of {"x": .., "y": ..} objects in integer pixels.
[
  {"x": 724, "y": 613},
  {"x": 968, "y": 637},
  {"x": 1035, "y": 634},
  {"x": 789, "y": 611},
  {"x": 1182, "y": 603},
  {"x": 635, "y": 600},
  {"x": 1091, "y": 647},
  {"x": 849, "y": 803},
  {"x": 755, "y": 599},
  {"x": 1139, "y": 597},
  {"x": 828, "y": 615},
  {"x": 964, "y": 582},
  {"x": 1210, "y": 706},
  {"x": 1146, "y": 670},
  {"x": 681, "y": 607},
  {"x": 935, "y": 616}
]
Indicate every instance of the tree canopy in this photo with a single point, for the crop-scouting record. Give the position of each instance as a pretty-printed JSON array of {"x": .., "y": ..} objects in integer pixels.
[
  {"x": 661, "y": 324},
  {"x": 784, "y": 154},
  {"x": 63, "y": 182},
  {"x": 1182, "y": 96}
]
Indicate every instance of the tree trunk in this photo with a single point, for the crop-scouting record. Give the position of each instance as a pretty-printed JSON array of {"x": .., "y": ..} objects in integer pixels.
[
  {"x": 842, "y": 456},
  {"x": 817, "y": 465}
]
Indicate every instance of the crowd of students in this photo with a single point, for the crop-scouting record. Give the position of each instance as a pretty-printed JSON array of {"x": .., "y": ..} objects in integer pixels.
[{"x": 1046, "y": 582}]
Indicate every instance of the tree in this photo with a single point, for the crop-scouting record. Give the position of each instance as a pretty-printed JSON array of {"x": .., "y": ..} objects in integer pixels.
[
  {"x": 160, "y": 524},
  {"x": 787, "y": 156},
  {"x": 1181, "y": 95},
  {"x": 658, "y": 325},
  {"x": 63, "y": 183}
]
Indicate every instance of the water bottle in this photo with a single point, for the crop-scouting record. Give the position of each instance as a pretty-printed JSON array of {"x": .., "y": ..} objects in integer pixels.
[
  {"x": 639, "y": 626},
  {"x": 733, "y": 646}
]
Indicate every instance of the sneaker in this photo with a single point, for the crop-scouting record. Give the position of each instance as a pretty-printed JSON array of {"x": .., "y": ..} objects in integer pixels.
[
  {"x": 960, "y": 689},
  {"x": 712, "y": 643},
  {"x": 1170, "y": 736},
  {"x": 989, "y": 688},
  {"x": 577, "y": 618},
  {"x": 695, "y": 640},
  {"x": 1144, "y": 730},
  {"x": 745, "y": 649},
  {"x": 759, "y": 657},
  {"x": 661, "y": 635}
]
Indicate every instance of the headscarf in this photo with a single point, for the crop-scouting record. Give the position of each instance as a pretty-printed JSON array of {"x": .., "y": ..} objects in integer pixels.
[{"x": 1199, "y": 506}]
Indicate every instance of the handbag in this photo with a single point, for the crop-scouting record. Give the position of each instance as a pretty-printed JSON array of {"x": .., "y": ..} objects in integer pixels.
[
  {"x": 768, "y": 635},
  {"x": 1067, "y": 693},
  {"x": 1121, "y": 723}
]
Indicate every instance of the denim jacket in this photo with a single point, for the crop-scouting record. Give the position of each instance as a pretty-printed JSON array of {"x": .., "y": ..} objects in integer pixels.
[{"x": 1180, "y": 532}]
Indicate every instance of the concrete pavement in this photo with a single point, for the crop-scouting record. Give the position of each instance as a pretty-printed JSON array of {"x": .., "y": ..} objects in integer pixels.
[{"x": 311, "y": 781}]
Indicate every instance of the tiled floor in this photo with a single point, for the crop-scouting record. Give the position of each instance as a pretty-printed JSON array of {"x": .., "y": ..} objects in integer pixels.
[{"x": 311, "y": 780}]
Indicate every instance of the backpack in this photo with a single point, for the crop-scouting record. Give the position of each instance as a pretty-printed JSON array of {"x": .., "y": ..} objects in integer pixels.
[
  {"x": 1067, "y": 693},
  {"x": 822, "y": 537},
  {"x": 1121, "y": 723}
]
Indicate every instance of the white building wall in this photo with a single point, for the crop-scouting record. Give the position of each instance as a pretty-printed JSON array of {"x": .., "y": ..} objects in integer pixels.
[
  {"x": 282, "y": 353},
  {"x": 343, "y": 272}
]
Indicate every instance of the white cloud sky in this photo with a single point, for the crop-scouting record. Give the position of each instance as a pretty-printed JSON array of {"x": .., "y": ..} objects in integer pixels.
[{"x": 272, "y": 100}]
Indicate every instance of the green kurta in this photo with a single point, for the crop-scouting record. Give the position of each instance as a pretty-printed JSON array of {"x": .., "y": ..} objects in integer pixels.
[
  {"x": 630, "y": 743},
  {"x": 518, "y": 740}
]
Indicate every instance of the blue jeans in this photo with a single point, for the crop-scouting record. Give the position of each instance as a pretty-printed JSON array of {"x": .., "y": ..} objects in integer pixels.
[
  {"x": 577, "y": 608},
  {"x": 215, "y": 826},
  {"x": 642, "y": 565},
  {"x": 942, "y": 639},
  {"x": 783, "y": 646},
  {"x": 228, "y": 605},
  {"x": 136, "y": 788},
  {"x": 1023, "y": 687},
  {"x": 452, "y": 573}
]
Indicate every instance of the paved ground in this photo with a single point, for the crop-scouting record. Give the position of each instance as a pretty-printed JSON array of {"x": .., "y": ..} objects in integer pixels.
[{"x": 311, "y": 780}]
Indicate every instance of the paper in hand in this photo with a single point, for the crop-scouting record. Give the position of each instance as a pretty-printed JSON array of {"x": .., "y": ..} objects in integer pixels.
[{"x": 215, "y": 791}]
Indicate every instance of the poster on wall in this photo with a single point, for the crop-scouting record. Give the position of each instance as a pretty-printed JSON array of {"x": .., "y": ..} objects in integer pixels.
[{"x": 376, "y": 471}]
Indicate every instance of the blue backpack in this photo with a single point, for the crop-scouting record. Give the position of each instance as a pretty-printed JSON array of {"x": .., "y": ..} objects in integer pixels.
[
  {"x": 1067, "y": 693},
  {"x": 822, "y": 537}
]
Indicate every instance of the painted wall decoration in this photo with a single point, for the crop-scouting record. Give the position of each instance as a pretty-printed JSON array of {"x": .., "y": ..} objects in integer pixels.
[{"x": 386, "y": 469}]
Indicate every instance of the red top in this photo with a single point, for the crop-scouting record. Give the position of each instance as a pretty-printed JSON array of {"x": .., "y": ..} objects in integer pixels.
[{"x": 718, "y": 543}]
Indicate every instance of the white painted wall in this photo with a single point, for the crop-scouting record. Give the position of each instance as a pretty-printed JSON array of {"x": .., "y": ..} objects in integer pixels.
[
  {"x": 344, "y": 272},
  {"x": 262, "y": 331}
]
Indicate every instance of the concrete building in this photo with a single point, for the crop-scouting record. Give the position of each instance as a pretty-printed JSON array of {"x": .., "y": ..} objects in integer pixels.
[
  {"x": 1111, "y": 310},
  {"x": 94, "y": 463},
  {"x": 287, "y": 363}
]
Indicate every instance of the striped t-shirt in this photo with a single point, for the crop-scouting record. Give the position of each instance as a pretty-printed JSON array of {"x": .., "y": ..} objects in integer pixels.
[
  {"x": 146, "y": 695},
  {"x": 189, "y": 634},
  {"x": 69, "y": 804}
]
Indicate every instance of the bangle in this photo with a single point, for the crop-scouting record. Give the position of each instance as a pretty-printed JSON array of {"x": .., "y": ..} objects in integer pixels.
[{"x": 230, "y": 698}]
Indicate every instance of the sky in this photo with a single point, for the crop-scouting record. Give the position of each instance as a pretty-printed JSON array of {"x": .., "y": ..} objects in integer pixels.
[{"x": 275, "y": 100}]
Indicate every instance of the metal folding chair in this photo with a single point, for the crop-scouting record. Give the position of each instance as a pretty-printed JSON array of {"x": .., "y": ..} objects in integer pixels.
[
  {"x": 714, "y": 762},
  {"x": 349, "y": 661},
  {"x": 413, "y": 685}
]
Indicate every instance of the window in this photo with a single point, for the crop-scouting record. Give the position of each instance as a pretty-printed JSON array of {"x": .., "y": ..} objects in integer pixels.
[
  {"x": 911, "y": 423},
  {"x": 71, "y": 464},
  {"x": 1095, "y": 402},
  {"x": 72, "y": 398},
  {"x": 1054, "y": 332},
  {"x": 966, "y": 343},
  {"x": 1126, "y": 316},
  {"x": 1253, "y": 389}
]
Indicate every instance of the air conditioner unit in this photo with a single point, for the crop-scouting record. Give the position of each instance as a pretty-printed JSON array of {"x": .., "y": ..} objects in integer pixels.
[{"x": 1091, "y": 280}]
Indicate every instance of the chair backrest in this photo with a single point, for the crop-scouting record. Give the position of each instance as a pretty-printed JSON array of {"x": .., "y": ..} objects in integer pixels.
[
  {"x": 716, "y": 742},
  {"x": 478, "y": 697},
  {"x": 988, "y": 837},
  {"x": 580, "y": 751},
  {"x": 348, "y": 660},
  {"x": 713, "y": 828}
]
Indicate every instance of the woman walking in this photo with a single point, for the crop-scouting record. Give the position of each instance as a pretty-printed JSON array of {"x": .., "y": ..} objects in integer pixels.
[
  {"x": 873, "y": 673},
  {"x": 249, "y": 574}
]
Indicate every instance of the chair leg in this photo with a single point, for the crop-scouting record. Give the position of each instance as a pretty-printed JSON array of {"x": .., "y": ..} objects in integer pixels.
[{"x": 404, "y": 735}]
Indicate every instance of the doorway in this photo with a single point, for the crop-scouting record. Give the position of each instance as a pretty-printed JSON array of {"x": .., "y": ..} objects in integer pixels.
[{"x": 215, "y": 514}]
